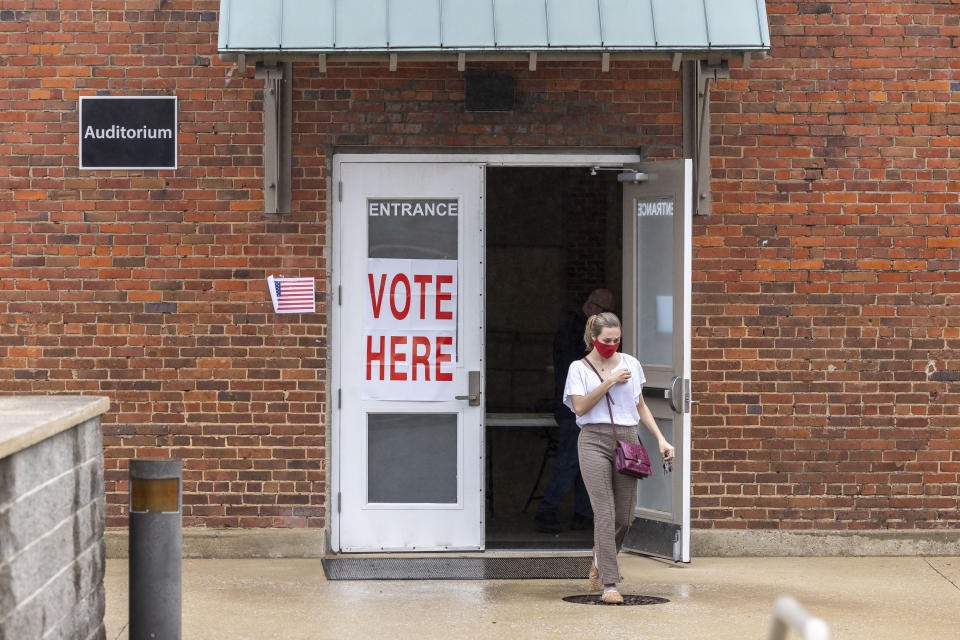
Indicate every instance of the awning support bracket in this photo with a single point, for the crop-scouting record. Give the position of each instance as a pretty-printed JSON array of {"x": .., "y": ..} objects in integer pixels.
[
  {"x": 277, "y": 139},
  {"x": 696, "y": 78}
]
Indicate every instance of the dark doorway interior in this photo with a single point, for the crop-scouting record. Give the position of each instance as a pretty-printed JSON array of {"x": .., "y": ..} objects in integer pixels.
[{"x": 552, "y": 236}]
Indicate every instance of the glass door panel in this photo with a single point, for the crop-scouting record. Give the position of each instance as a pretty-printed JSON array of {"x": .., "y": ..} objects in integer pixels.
[
  {"x": 654, "y": 278},
  {"x": 656, "y": 492},
  {"x": 412, "y": 458}
]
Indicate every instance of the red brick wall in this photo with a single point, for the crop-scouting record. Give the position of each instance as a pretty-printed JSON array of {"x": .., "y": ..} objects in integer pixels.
[
  {"x": 826, "y": 281},
  {"x": 149, "y": 287},
  {"x": 827, "y": 323}
]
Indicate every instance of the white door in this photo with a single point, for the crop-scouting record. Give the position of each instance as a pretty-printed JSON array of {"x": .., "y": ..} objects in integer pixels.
[
  {"x": 407, "y": 348},
  {"x": 657, "y": 283}
]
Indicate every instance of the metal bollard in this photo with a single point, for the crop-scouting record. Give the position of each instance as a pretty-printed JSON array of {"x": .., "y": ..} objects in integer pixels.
[{"x": 156, "y": 543}]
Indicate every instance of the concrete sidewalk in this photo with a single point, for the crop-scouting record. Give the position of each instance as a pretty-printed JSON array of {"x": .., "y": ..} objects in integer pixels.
[{"x": 715, "y": 598}]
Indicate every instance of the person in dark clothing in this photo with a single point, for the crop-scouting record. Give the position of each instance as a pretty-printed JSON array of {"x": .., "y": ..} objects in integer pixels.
[{"x": 568, "y": 347}]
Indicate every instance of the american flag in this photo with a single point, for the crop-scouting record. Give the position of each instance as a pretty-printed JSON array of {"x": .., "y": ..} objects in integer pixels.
[{"x": 292, "y": 295}]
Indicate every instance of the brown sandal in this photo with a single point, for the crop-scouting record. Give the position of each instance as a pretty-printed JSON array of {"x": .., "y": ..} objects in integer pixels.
[
  {"x": 612, "y": 597},
  {"x": 595, "y": 583}
]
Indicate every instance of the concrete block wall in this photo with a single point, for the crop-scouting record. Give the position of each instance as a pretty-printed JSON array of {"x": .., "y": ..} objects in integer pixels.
[{"x": 51, "y": 538}]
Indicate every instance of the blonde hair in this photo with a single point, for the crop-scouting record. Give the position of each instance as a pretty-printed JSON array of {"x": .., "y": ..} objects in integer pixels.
[{"x": 596, "y": 324}]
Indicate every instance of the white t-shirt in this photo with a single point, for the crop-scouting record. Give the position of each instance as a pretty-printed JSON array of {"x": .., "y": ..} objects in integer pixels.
[{"x": 581, "y": 380}]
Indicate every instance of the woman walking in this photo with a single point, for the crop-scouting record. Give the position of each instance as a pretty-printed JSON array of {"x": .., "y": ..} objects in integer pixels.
[{"x": 605, "y": 372}]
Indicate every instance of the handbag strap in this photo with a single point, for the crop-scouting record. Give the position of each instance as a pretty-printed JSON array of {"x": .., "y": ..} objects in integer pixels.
[{"x": 607, "y": 396}]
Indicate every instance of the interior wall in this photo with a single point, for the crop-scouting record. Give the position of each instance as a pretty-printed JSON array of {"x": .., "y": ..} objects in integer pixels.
[{"x": 553, "y": 235}]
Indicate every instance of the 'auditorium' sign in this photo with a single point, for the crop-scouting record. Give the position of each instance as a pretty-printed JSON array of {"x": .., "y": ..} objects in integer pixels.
[{"x": 126, "y": 132}]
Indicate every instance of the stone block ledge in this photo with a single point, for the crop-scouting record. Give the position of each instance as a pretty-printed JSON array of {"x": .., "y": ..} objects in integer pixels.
[
  {"x": 27, "y": 420},
  {"x": 51, "y": 517}
]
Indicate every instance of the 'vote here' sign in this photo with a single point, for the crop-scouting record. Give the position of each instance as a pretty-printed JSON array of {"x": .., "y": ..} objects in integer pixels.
[{"x": 410, "y": 329}]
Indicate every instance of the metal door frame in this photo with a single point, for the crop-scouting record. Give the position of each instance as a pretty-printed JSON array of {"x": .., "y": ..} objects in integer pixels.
[{"x": 546, "y": 160}]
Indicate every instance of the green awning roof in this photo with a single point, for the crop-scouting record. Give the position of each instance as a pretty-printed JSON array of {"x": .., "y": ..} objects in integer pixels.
[{"x": 455, "y": 26}]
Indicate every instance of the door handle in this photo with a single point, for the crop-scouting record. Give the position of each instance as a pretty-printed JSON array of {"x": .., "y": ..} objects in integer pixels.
[
  {"x": 473, "y": 389},
  {"x": 675, "y": 395},
  {"x": 679, "y": 395}
]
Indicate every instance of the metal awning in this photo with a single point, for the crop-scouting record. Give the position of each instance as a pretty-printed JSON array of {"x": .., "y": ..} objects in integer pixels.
[
  {"x": 697, "y": 35},
  {"x": 559, "y": 27}
]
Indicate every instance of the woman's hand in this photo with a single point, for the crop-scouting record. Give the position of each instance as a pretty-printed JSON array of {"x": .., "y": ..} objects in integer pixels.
[
  {"x": 619, "y": 376},
  {"x": 667, "y": 450}
]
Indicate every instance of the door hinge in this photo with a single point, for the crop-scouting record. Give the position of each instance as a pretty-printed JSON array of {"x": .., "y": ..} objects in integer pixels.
[
  {"x": 340, "y": 191},
  {"x": 339, "y": 502},
  {"x": 339, "y": 294},
  {"x": 339, "y": 399}
]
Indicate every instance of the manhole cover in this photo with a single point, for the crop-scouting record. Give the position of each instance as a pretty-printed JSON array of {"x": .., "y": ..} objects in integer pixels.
[{"x": 628, "y": 600}]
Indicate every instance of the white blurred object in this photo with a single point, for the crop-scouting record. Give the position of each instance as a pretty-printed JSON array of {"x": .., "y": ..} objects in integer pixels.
[
  {"x": 665, "y": 314},
  {"x": 789, "y": 614}
]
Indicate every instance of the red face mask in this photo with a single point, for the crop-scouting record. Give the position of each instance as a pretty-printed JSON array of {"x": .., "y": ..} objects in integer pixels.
[{"x": 606, "y": 350}]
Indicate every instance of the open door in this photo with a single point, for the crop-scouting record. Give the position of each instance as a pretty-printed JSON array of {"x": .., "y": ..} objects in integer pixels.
[{"x": 657, "y": 281}]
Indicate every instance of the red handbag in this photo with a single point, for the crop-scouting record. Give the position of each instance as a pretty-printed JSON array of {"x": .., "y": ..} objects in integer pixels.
[{"x": 630, "y": 459}]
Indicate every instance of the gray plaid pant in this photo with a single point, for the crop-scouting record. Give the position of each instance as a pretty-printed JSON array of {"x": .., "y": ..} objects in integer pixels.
[{"x": 612, "y": 495}]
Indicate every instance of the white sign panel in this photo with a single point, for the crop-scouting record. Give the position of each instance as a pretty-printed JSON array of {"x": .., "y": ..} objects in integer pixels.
[{"x": 410, "y": 329}]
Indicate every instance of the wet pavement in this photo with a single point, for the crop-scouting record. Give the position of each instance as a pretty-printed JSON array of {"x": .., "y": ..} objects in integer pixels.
[{"x": 716, "y": 598}]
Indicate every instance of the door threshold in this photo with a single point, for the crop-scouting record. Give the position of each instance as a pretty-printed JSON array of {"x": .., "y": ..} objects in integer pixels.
[
  {"x": 505, "y": 552},
  {"x": 480, "y": 565},
  {"x": 540, "y": 546}
]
